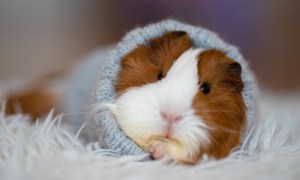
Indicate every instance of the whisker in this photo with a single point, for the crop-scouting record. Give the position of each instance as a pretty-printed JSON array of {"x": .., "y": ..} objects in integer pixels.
[{"x": 219, "y": 128}]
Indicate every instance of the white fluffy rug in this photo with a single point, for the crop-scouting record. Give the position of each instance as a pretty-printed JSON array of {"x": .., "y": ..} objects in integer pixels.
[{"x": 47, "y": 150}]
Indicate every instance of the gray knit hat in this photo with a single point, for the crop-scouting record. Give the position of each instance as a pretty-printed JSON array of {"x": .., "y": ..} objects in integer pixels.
[{"x": 111, "y": 134}]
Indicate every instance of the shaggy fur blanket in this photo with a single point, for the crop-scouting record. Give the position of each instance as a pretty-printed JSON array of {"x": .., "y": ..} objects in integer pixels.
[{"x": 47, "y": 150}]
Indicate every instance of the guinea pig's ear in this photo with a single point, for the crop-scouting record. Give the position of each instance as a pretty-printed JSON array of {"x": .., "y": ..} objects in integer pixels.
[
  {"x": 180, "y": 37},
  {"x": 234, "y": 69},
  {"x": 176, "y": 34}
]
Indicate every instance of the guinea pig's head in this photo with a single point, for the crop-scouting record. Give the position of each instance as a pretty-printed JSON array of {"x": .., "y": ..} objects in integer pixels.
[{"x": 179, "y": 101}]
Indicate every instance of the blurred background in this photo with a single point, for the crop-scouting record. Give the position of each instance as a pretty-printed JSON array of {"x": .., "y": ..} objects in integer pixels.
[{"x": 38, "y": 37}]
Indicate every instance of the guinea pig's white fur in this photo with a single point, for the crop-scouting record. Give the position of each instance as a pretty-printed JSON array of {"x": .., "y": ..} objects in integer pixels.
[{"x": 140, "y": 111}]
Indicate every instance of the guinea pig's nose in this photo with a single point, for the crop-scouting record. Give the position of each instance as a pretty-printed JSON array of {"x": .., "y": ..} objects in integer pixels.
[{"x": 170, "y": 118}]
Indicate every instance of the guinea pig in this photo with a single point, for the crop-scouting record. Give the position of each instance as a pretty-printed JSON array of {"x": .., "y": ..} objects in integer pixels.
[{"x": 178, "y": 101}]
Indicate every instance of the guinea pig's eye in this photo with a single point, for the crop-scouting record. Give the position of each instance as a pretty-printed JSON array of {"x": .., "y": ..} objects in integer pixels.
[
  {"x": 160, "y": 75},
  {"x": 205, "y": 88}
]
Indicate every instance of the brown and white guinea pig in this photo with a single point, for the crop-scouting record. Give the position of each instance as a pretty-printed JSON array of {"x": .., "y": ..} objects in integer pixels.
[{"x": 178, "y": 101}]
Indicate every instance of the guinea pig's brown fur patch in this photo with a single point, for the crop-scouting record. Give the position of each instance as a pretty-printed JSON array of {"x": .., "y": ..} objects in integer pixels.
[
  {"x": 146, "y": 62},
  {"x": 36, "y": 102},
  {"x": 223, "y": 108}
]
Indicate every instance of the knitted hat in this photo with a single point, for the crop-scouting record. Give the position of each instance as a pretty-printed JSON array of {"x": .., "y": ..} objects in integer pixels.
[{"x": 111, "y": 136}]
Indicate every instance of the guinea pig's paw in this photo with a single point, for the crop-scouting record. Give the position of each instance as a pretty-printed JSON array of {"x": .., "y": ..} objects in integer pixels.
[{"x": 157, "y": 150}]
